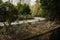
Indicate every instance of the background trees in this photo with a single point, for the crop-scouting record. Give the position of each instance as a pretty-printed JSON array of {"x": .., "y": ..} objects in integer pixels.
[
  {"x": 8, "y": 12},
  {"x": 46, "y": 8},
  {"x": 0, "y": 1},
  {"x": 23, "y": 9},
  {"x": 49, "y": 8}
]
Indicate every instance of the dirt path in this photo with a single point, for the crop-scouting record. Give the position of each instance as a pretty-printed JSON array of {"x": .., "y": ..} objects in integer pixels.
[{"x": 26, "y": 21}]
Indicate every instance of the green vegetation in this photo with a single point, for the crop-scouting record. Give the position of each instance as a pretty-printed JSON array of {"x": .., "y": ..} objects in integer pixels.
[
  {"x": 42, "y": 8},
  {"x": 48, "y": 7},
  {"x": 23, "y": 9},
  {"x": 0, "y": 1},
  {"x": 8, "y": 13},
  {"x": 51, "y": 9}
]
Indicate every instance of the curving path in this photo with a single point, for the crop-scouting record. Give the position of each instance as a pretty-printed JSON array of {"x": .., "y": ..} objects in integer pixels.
[{"x": 36, "y": 19}]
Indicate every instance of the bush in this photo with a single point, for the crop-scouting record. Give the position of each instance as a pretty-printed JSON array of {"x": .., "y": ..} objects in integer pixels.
[
  {"x": 8, "y": 12},
  {"x": 23, "y": 9}
]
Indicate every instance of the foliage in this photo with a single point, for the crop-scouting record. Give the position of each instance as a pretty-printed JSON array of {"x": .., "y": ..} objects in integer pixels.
[
  {"x": 23, "y": 9},
  {"x": 8, "y": 12},
  {"x": 0, "y": 1},
  {"x": 35, "y": 9},
  {"x": 39, "y": 12},
  {"x": 49, "y": 7}
]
